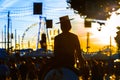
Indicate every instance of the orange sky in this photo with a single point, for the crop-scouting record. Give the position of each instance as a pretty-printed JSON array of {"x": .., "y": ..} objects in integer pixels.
[
  {"x": 23, "y": 20},
  {"x": 97, "y": 39}
]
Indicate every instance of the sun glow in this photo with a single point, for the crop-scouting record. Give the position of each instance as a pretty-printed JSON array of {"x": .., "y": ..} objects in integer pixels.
[
  {"x": 97, "y": 38},
  {"x": 105, "y": 34}
]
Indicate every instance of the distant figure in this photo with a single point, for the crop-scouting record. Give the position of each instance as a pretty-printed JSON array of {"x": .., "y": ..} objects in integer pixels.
[
  {"x": 4, "y": 70},
  {"x": 23, "y": 70},
  {"x": 43, "y": 42},
  {"x": 66, "y": 45}
]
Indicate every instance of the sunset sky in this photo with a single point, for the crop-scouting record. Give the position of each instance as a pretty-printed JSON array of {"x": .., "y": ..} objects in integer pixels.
[{"x": 22, "y": 18}]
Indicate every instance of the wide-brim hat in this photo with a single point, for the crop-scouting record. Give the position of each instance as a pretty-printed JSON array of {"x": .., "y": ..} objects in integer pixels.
[
  {"x": 65, "y": 23},
  {"x": 64, "y": 19}
]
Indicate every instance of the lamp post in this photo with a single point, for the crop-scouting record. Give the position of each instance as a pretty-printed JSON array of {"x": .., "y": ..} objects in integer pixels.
[
  {"x": 8, "y": 31},
  {"x": 88, "y": 34},
  {"x": 39, "y": 32}
]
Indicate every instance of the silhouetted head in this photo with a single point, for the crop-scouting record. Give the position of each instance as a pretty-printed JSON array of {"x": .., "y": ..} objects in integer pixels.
[
  {"x": 43, "y": 37},
  {"x": 65, "y": 23},
  {"x": 43, "y": 41}
]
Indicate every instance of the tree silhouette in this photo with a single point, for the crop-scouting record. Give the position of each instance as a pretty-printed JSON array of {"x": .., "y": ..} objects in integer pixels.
[
  {"x": 117, "y": 38},
  {"x": 95, "y": 9}
]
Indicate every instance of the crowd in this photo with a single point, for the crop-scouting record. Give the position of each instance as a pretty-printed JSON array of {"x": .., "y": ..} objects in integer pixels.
[{"x": 29, "y": 68}]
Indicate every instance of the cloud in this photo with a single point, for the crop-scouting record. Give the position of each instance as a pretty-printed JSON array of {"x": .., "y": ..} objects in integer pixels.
[{"x": 7, "y": 3}]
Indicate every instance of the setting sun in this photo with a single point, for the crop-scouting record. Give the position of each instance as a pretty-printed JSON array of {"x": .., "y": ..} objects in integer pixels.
[
  {"x": 104, "y": 35},
  {"x": 99, "y": 35}
]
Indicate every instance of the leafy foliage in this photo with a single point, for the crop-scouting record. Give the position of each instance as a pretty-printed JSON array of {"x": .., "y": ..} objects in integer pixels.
[{"x": 95, "y": 9}]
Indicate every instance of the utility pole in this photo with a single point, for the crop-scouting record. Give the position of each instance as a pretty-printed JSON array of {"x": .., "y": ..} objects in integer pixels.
[
  {"x": 110, "y": 46},
  {"x": 5, "y": 35},
  {"x": 19, "y": 41},
  {"x": 15, "y": 39},
  {"x": 8, "y": 31},
  {"x": 88, "y": 42},
  {"x": 2, "y": 39},
  {"x": 28, "y": 44},
  {"x": 39, "y": 32},
  {"x": 11, "y": 37}
]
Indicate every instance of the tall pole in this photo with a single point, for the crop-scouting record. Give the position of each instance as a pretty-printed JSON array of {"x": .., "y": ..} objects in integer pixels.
[
  {"x": 110, "y": 46},
  {"x": 2, "y": 39},
  {"x": 5, "y": 35},
  {"x": 15, "y": 39},
  {"x": 39, "y": 32},
  {"x": 8, "y": 31},
  {"x": 88, "y": 42},
  {"x": 19, "y": 41},
  {"x": 11, "y": 33},
  {"x": 28, "y": 44}
]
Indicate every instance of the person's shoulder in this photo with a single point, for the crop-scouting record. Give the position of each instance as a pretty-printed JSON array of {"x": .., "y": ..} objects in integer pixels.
[
  {"x": 66, "y": 34},
  {"x": 73, "y": 34},
  {"x": 58, "y": 35}
]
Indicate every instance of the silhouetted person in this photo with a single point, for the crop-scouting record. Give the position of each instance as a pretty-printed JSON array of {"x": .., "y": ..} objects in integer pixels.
[
  {"x": 23, "y": 70},
  {"x": 43, "y": 42},
  {"x": 32, "y": 72},
  {"x": 66, "y": 45},
  {"x": 14, "y": 72},
  {"x": 4, "y": 70}
]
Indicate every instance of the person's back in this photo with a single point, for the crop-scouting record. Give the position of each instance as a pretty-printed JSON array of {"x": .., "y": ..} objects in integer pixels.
[{"x": 66, "y": 44}]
